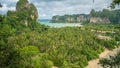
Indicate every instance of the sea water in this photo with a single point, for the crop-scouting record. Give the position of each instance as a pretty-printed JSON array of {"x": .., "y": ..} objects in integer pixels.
[{"x": 58, "y": 25}]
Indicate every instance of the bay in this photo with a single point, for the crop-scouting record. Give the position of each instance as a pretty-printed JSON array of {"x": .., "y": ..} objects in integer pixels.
[{"x": 58, "y": 25}]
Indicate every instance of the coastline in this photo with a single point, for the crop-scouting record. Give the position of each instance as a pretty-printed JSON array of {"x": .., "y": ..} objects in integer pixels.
[{"x": 60, "y": 25}]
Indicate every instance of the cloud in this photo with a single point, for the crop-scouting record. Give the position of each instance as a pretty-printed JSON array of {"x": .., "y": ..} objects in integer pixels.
[
  {"x": 7, "y": 5},
  {"x": 46, "y": 0},
  {"x": 48, "y": 8},
  {"x": 61, "y": 7}
]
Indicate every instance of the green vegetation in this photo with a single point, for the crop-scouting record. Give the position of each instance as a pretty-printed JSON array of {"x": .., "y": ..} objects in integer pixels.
[
  {"x": 104, "y": 16},
  {"x": 44, "y": 47},
  {"x": 38, "y": 46},
  {"x": 114, "y": 3},
  {"x": 113, "y": 15},
  {"x": 113, "y": 61}
]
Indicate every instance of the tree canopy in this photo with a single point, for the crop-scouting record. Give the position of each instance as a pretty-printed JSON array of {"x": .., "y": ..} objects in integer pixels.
[{"x": 114, "y": 3}]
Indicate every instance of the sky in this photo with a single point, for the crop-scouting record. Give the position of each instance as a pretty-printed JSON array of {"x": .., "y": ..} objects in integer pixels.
[{"x": 49, "y": 8}]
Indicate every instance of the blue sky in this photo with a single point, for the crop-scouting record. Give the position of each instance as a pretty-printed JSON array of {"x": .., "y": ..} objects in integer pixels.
[{"x": 49, "y": 8}]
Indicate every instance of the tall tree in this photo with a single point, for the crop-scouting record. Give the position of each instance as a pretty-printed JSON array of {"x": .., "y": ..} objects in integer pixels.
[
  {"x": 1, "y": 5},
  {"x": 114, "y": 3}
]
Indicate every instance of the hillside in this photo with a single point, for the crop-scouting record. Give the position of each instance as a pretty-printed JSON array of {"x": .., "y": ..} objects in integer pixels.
[
  {"x": 24, "y": 43},
  {"x": 104, "y": 16},
  {"x": 25, "y": 15}
]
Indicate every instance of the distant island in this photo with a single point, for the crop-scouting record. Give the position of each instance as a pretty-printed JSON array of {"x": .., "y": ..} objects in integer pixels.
[{"x": 104, "y": 16}]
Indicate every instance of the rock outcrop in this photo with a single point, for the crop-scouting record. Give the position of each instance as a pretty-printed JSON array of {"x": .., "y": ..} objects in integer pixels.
[
  {"x": 26, "y": 11},
  {"x": 99, "y": 20},
  {"x": 78, "y": 18},
  {"x": 104, "y": 16}
]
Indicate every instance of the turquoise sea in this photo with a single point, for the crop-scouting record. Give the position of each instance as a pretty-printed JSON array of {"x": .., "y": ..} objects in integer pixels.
[{"x": 58, "y": 25}]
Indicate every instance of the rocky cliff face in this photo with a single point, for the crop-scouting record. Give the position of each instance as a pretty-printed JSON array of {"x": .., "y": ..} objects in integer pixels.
[
  {"x": 55, "y": 19},
  {"x": 78, "y": 18},
  {"x": 99, "y": 20},
  {"x": 103, "y": 16},
  {"x": 26, "y": 11},
  {"x": 83, "y": 18}
]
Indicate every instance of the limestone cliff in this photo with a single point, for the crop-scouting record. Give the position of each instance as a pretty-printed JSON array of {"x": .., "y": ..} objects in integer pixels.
[
  {"x": 78, "y": 18},
  {"x": 26, "y": 11},
  {"x": 99, "y": 20},
  {"x": 103, "y": 16}
]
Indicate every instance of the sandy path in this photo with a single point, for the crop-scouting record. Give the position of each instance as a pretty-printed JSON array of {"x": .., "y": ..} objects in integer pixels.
[{"x": 105, "y": 54}]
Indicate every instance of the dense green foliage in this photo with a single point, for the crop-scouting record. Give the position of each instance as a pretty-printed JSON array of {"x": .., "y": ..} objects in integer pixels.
[
  {"x": 44, "y": 47},
  {"x": 10, "y": 54},
  {"x": 113, "y": 61},
  {"x": 114, "y": 3},
  {"x": 108, "y": 30},
  {"x": 39, "y": 46}
]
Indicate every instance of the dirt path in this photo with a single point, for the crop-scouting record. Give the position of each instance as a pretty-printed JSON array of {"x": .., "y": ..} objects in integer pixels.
[{"x": 105, "y": 54}]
